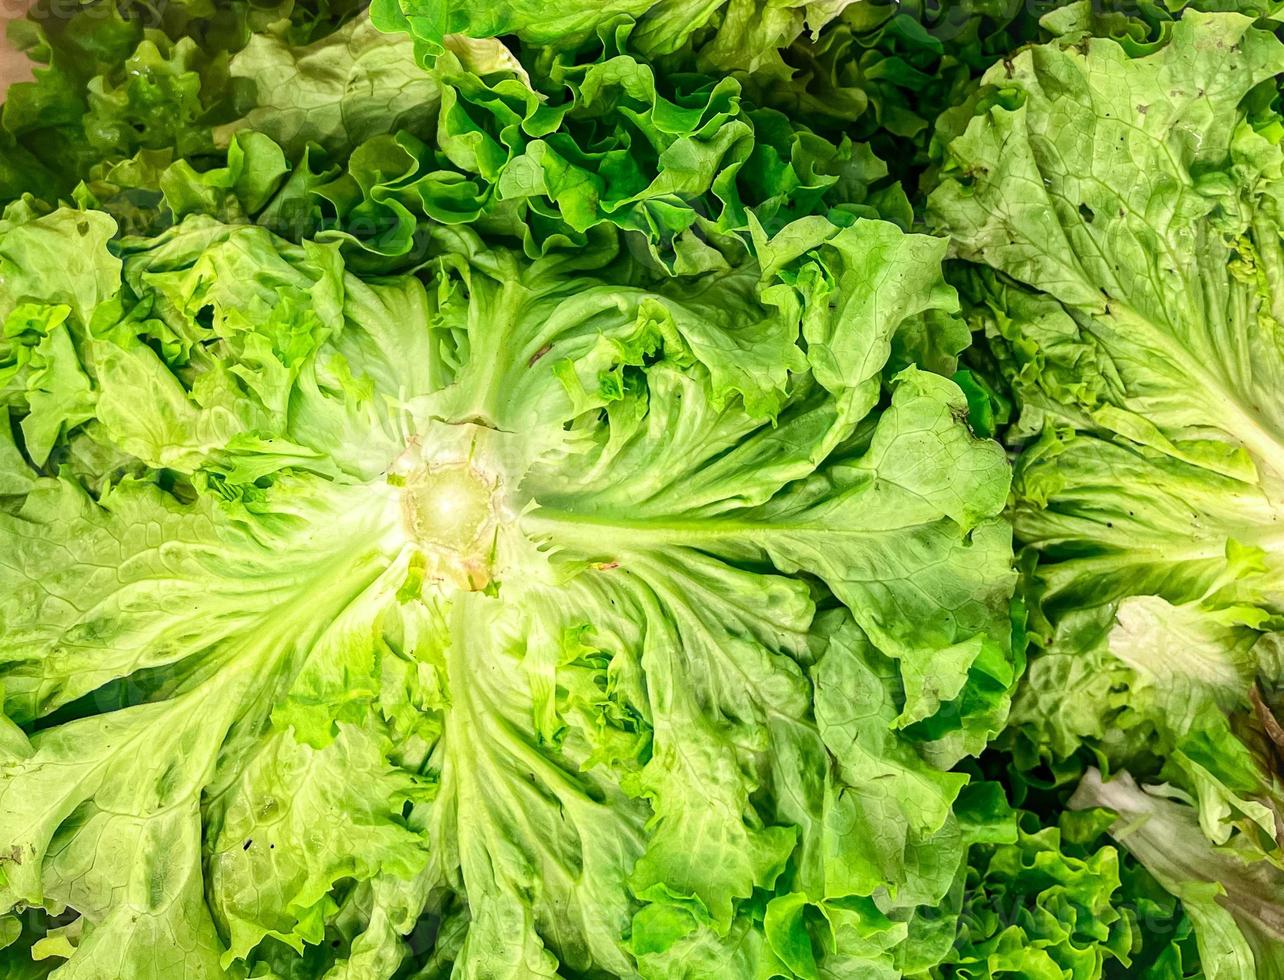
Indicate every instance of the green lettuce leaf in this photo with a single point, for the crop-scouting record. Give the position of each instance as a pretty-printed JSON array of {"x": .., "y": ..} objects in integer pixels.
[
  {"x": 721, "y": 37},
  {"x": 337, "y": 92}
]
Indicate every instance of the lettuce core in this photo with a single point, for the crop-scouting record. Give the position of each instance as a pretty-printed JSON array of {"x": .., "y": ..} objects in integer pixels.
[{"x": 451, "y": 511}]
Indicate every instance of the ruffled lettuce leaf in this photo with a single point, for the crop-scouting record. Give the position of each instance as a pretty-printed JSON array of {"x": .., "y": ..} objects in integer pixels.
[
  {"x": 1050, "y": 900},
  {"x": 1233, "y": 902},
  {"x": 881, "y": 72},
  {"x": 591, "y": 144},
  {"x": 731, "y": 34}
]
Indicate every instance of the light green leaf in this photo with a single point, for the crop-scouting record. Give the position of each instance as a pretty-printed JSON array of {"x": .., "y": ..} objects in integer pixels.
[
  {"x": 59, "y": 258},
  {"x": 336, "y": 92}
]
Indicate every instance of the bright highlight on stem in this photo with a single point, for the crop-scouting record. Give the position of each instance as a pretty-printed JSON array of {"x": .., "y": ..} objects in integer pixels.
[{"x": 450, "y": 511}]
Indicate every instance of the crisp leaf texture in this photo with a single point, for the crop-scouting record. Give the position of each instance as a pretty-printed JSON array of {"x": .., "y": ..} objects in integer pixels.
[{"x": 501, "y": 491}]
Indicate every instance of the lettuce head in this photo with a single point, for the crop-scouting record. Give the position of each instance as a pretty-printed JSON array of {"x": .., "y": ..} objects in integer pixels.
[
  {"x": 510, "y": 618},
  {"x": 1120, "y": 210}
]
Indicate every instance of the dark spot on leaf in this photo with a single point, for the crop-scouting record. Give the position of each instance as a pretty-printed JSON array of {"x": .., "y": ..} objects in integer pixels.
[
  {"x": 83, "y": 228},
  {"x": 538, "y": 354},
  {"x": 1269, "y": 722},
  {"x": 1087, "y": 213},
  {"x": 247, "y": 845}
]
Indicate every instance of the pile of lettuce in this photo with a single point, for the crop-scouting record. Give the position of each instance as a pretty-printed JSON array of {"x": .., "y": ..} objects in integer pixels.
[{"x": 669, "y": 490}]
